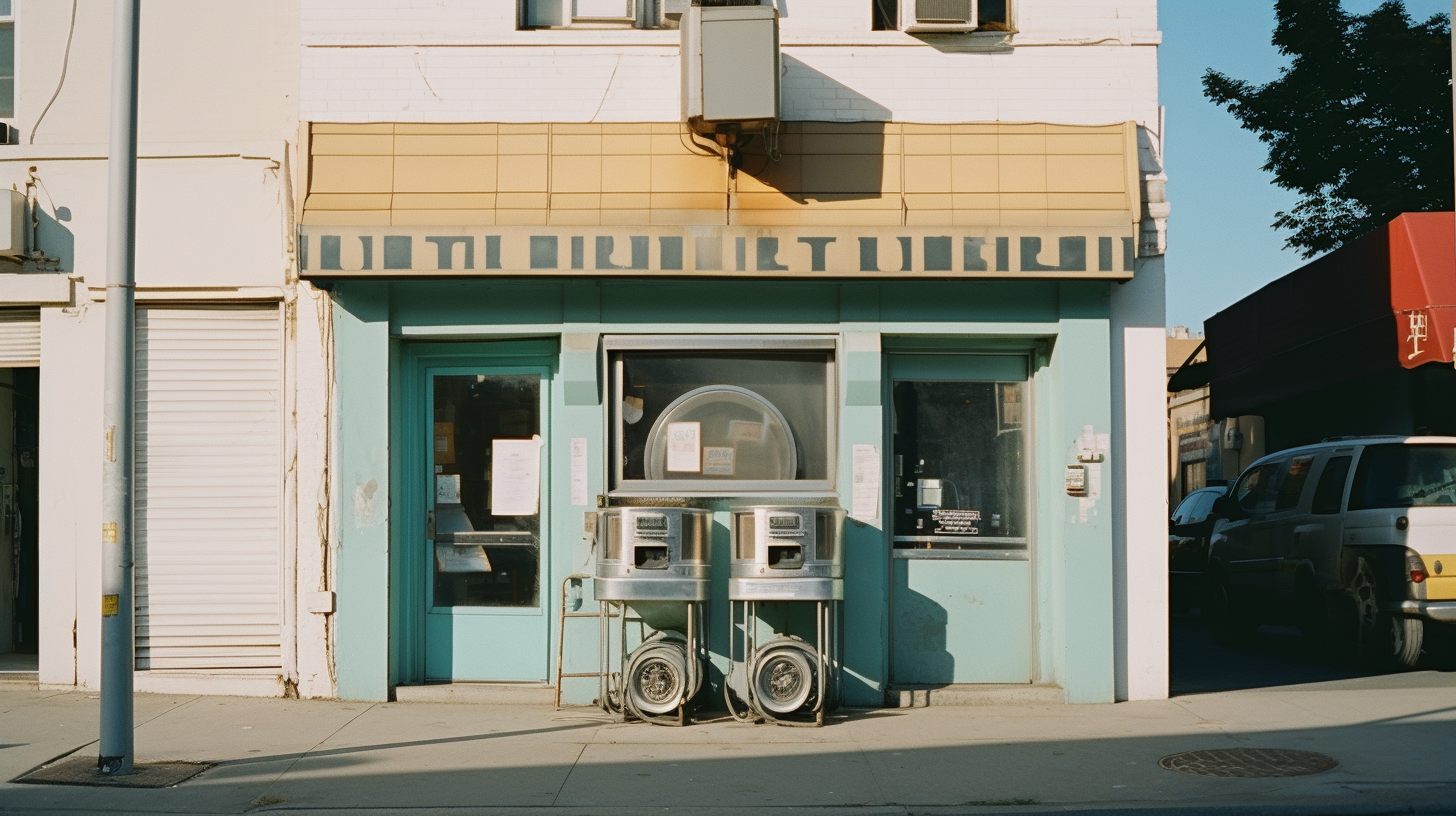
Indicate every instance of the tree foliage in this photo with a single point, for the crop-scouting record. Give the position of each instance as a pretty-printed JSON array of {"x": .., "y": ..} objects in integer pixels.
[{"x": 1359, "y": 122}]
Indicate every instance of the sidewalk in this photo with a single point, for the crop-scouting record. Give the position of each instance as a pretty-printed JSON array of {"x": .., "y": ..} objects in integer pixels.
[{"x": 1394, "y": 736}]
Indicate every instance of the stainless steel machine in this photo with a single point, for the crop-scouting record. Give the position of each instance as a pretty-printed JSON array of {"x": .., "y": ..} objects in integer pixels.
[
  {"x": 785, "y": 554},
  {"x": 655, "y": 562}
]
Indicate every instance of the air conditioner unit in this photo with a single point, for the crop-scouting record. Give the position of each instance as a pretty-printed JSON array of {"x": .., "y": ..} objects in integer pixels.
[
  {"x": 12, "y": 241},
  {"x": 730, "y": 69},
  {"x": 938, "y": 15}
]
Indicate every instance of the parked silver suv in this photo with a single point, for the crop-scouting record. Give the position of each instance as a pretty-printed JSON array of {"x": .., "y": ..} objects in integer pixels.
[{"x": 1352, "y": 537}]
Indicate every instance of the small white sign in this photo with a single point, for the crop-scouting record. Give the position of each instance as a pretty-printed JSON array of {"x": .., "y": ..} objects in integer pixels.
[
  {"x": 447, "y": 489},
  {"x": 684, "y": 447},
  {"x": 718, "y": 461},
  {"x": 515, "y": 476},
  {"x": 865, "y": 495},
  {"x": 578, "y": 472}
]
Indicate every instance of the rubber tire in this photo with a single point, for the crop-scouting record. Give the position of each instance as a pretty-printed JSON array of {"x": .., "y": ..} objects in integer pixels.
[
  {"x": 1381, "y": 639},
  {"x": 1229, "y": 626},
  {"x": 1312, "y": 615}
]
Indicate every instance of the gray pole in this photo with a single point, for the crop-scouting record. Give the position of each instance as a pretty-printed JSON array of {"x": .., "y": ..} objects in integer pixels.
[{"x": 117, "y": 634}]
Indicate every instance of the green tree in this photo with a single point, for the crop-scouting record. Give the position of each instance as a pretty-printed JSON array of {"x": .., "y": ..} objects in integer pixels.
[{"x": 1359, "y": 122}]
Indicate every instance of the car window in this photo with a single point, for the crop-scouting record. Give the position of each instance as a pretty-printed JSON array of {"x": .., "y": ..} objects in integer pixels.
[
  {"x": 1186, "y": 508},
  {"x": 1331, "y": 486},
  {"x": 1404, "y": 476},
  {"x": 1292, "y": 486},
  {"x": 1200, "y": 511},
  {"x": 1256, "y": 489}
]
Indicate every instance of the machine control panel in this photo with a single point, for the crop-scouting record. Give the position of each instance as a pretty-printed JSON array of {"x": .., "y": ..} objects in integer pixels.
[
  {"x": 651, "y": 526},
  {"x": 784, "y": 525}
]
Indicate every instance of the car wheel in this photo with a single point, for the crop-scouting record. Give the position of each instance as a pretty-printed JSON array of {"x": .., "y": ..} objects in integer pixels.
[
  {"x": 1406, "y": 637},
  {"x": 1381, "y": 639},
  {"x": 1230, "y": 624},
  {"x": 1311, "y": 615}
]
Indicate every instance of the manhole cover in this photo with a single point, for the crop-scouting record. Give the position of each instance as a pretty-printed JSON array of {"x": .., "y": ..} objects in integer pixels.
[{"x": 1248, "y": 763}]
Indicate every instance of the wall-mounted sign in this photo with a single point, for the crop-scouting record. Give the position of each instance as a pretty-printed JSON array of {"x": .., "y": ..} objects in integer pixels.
[{"x": 1105, "y": 253}]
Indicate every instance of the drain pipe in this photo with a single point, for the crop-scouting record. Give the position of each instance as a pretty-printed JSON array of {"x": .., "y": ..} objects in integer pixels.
[{"x": 118, "y": 635}]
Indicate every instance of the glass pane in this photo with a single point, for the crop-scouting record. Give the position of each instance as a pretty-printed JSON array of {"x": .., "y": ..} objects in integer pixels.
[
  {"x": 482, "y": 558},
  {"x": 7, "y": 67},
  {"x": 1294, "y": 479},
  {"x": 6, "y": 8},
  {"x": 1404, "y": 476},
  {"x": 960, "y": 470},
  {"x": 717, "y": 417}
]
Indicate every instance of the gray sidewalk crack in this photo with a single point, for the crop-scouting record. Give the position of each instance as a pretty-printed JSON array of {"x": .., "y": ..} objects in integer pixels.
[
  {"x": 569, "y": 772},
  {"x": 305, "y": 754}
]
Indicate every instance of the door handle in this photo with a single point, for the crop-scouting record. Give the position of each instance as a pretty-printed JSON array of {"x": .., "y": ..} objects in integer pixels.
[{"x": 430, "y": 525}]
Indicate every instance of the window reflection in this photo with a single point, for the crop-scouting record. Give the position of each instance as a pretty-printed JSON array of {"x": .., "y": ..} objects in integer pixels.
[{"x": 481, "y": 558}]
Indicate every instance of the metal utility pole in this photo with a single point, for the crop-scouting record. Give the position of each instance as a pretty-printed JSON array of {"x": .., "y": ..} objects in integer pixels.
[{"x": 118, "y": 636}]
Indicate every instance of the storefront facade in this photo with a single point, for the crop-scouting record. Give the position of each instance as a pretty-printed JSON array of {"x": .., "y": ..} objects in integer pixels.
[{"x": 867, "y": 321}]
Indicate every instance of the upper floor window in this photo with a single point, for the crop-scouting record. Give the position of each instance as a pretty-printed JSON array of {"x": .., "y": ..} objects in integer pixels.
[
  {"x": 601, "y": 13},
  {"x": 613, "y": 13},
  {"x": 948, "y": 16},
  {"x": 7, "y": 59}
]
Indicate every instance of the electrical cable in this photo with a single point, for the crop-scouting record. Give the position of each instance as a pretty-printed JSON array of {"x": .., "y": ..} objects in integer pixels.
[{"x": 65, "y": 65}]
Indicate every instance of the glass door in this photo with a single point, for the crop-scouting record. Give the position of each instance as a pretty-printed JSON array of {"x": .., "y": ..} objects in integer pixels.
[
  {"x": 485, "y": 589},
  {"x": 961, "y": 592}
]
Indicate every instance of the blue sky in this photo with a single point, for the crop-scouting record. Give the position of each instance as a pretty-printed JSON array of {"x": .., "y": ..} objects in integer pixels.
[{"x": 1220, "y": 244}]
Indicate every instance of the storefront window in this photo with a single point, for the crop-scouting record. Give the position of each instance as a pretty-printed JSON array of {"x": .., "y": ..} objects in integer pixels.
[{"x": 716, "y": 419}]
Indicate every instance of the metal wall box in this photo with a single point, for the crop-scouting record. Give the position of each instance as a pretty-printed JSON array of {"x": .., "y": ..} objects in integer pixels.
[
  {"x": 730, "y": 68},
  {"x": 12, "y": 241}
]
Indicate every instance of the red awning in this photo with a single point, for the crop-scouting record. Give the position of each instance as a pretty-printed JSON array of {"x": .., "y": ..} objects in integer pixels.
[{"x": 1423, "y": 286}]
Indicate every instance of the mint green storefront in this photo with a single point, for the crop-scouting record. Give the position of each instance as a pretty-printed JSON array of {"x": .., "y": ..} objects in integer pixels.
[{"x": 1038, "y": 611}]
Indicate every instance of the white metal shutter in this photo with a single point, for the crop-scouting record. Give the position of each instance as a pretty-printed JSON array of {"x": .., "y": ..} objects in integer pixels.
[
  {"x": 19, "y": 338},
  {"x": 209, "y": 438}
]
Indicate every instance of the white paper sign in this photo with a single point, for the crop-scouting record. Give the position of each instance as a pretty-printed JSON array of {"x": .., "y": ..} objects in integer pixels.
[
  {"x": 578, "y": 472},
  {"x": 864, "y": 502},
  {"x": 447, "y": 488},
  {"x": 718, "y": 461},
  {"x": 684, "y": 447},
  {"x": 515, "y": 476}
]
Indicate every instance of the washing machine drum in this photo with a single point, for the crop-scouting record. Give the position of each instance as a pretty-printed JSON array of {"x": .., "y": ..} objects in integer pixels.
[
  {"x": 785, "y": 676},
  {"x": 657, "y": 674}
]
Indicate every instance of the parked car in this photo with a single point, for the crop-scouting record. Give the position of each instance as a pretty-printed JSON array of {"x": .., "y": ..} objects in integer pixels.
[
  {"x": 1352, "y": 537},
  {"x": 1189, "y": 531}
]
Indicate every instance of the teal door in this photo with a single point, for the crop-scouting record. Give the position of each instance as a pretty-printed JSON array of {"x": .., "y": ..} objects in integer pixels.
[
  {"x": 961, "y": 603},
  {"x": 485, "y": 557}
]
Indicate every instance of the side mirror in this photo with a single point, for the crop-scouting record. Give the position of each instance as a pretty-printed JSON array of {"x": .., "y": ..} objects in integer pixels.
[{"x": 1226, "y": 507}]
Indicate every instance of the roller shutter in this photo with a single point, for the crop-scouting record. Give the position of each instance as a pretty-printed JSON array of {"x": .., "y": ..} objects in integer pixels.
[
  {"x": 19, "y": 338},
  {"x": 209, "y": 425}
]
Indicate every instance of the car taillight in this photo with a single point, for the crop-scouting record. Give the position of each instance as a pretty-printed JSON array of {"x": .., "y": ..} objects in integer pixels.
[{"x": 1416, "y": 567}]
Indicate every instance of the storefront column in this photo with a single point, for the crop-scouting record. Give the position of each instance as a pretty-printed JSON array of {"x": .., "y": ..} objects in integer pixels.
[
  {"x": 866, "y": 570},
  {"x": 1083, "y": 399},
  {"x": 361, "y": 549}
]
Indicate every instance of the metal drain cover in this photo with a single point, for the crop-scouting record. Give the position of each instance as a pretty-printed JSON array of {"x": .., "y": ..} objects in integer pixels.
[{"x": 1248, "y": 763}]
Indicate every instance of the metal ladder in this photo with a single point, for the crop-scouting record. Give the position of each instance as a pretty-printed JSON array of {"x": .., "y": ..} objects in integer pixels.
[{"x": 561, "y": 634}]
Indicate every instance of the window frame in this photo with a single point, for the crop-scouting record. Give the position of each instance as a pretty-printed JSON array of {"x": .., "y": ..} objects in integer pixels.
[
  {"x": 612, "y": 373},
  {"x": 8, "y": 21},
  {"x": 569, "y": 21}
]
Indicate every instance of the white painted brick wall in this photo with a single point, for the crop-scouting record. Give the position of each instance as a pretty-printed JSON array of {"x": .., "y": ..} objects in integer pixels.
[
  {"x": 1069, "y": 85},
  {"x": 1074, "y": 62}
]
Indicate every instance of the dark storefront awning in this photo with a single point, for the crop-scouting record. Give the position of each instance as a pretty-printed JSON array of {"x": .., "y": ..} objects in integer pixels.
[{"x": 1382, "y": 302}]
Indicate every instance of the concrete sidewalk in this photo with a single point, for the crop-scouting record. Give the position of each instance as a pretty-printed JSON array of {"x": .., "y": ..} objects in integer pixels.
[{"x": 1394, "y": 736}]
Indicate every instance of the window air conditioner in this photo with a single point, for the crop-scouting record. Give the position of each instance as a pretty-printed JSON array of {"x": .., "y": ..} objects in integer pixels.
[
  {"x": 12, "y": 241},
  {"x": 939, "y": 15}
]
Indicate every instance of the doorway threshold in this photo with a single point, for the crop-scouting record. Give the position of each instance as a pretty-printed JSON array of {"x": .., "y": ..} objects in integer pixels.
[
  {"x": 19, "y": 668},
  {"x": 478, "y": 693},
  {"x": 912, "y": 695}
]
